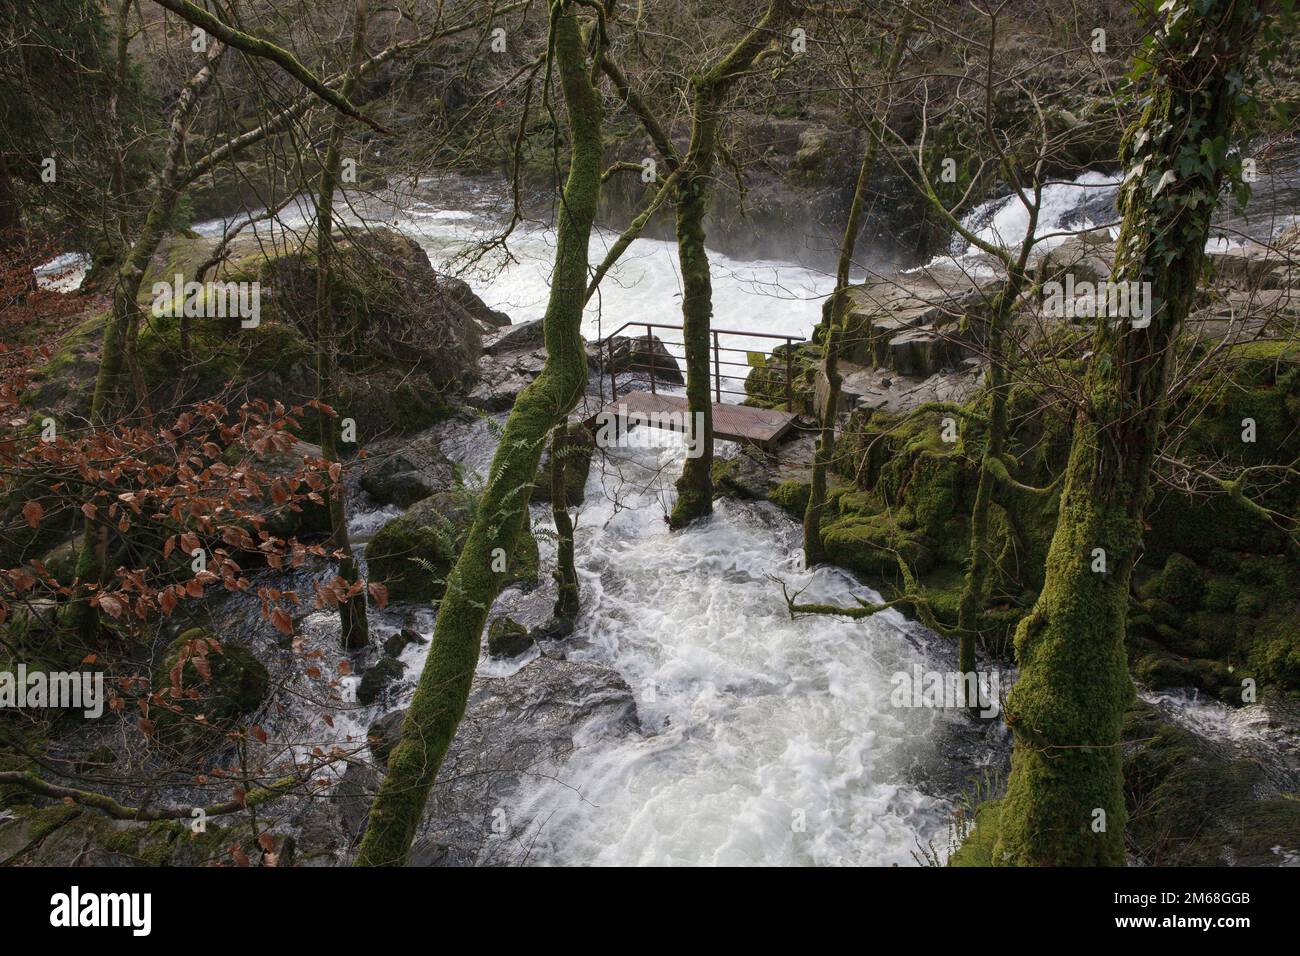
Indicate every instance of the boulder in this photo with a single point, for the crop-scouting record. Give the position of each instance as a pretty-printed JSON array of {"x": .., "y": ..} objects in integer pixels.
[
  {"x": 517, "y": 337},
  {"x": 413, "y": 553},
  {"x": 924, "y": 351},
  {"x": 514, "y": 728},
  {"x": 397, "y": 642},
  {"x": 384, "y": 734},
  {"x": 406, "y": 336},
  {"x": 404, "y": 472},
  {"x": 1088, "y": 257},
  {"x": 200, "y": 676},
  {"x": 374, "y": 682},
  {"x": 503, "y": 377},
  {"x": 637, "y": 355},
  {"x": 506, "y": 637}
]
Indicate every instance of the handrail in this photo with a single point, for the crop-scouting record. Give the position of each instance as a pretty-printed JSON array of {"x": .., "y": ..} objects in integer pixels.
[{"x": 605, "y": 347}]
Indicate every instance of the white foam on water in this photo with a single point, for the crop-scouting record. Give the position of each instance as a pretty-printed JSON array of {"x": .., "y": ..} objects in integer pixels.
[{"x": 767, "y": 740}]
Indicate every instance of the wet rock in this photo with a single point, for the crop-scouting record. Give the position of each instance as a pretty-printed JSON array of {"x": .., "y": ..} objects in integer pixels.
[
  {"x": 199, "y": 676},
  {"x": 384, "y": 734},
  {"x": 507, "y": 637},
  {"x": 503, "y": 377},
  {"x": 377, "y": 678},
  {"x": 552, "y": 629},
  {"x": 404, "y": 473},
  {"x": 396, "y": 642},
  {"x": 1196, "y": 801},
  {"x": 515, "y": 728},
  {"x": 458, "y": 292},
  {"x": 97, "y": 760},
  {"x": 924, "y": 351},
  {"x": 1089, "y": 257},
  {"x": 1253, "y": 267},
  {"x": 429, "y": 531},
  {"x": 636, "y": 355},
  {"x": 517, "y": 337}
]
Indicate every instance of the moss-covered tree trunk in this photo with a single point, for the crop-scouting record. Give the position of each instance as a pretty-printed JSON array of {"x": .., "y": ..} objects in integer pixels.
[
  {"x": 566, "y": 572},
  {"x": 352, "y": 610},
  {"x": 975, "y": 590},
  {"x": 814, "y": 549},
  {"x": 472, "y": 586},
  {"x": 695, "y": 486},
  {"x": 1065, "y": 804},
  {"x": 109, "y": 398}
]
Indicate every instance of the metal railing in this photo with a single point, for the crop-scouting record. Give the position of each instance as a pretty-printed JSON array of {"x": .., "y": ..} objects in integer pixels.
[{"x": 636, "y": 359}]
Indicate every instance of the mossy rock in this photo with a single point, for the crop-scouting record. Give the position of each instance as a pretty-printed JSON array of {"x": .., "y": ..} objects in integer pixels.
[
  {"x": 1221, "y": 594},
  {"x": 234, "y": 688},
  {"x": 791, "y": 496},
  {"x": 1191, "y": 805},
  {"x": 1182, "y": 584},
  {"x": 413, "y": 554},
  {"x": 868, "y": 545},
  {"x": 506, "y": 637}
]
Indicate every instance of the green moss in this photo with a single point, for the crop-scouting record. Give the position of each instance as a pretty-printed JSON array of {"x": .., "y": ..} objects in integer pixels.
[
  {"x": 413, "y": 554},
  {"x": 236, "y": 686},
  {"x": 1181, "y": 583},
  {"x": 977, "y": 848},
  {"x": 377, "y": 678},
  {"x": 1189, "y": 805},
  {"x": 868, "y": 544},
  {"x": 791, "y": 496},
  {"x": 1221, "y": 594}
]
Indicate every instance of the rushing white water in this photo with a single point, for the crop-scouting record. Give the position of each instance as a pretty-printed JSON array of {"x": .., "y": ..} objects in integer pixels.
[
  {"x": 775, "y": 298},
  {"x": 1067, "y": 208},
  {"x": 769, "y": 741}
]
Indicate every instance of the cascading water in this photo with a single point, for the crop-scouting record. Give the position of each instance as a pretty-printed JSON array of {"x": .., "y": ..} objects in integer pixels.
[{"x": 764, "y": 739}]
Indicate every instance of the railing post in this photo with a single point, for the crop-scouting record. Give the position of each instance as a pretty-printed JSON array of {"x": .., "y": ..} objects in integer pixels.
[
  {"x": 717, "y": 371},
  {"x": 789, "y": 376},
  {"x": 650, "y": 344}
]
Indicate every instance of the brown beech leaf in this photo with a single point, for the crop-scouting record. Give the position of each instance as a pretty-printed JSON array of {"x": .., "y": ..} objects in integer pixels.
[{"x": 33, "y": 511}]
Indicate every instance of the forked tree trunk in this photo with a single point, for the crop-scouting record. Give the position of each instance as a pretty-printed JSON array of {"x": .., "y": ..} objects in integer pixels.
[
  {"x": 472, "y": 586},
  {"x": 352, "y": 611},
  {"x": 1065, "y": 801}
]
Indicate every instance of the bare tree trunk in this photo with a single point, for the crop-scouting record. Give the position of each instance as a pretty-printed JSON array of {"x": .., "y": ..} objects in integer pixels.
[
  {"x": 352, "y": 610},
  {"x": 444, "y": 685},
  {"x": 814, "y": 549}
]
